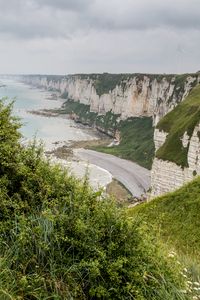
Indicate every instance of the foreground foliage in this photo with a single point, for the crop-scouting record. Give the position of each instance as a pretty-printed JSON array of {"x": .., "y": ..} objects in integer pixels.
[{"x": 61, "y": 240}]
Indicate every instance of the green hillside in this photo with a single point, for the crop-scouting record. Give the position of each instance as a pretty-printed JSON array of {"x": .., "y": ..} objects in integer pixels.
[{"x": 182, "y": 119}]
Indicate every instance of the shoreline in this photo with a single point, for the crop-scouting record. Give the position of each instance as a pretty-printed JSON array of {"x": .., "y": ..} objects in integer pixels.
[
  {"x": 65, "y": 153},
  {"x": 134, "y": 177}
]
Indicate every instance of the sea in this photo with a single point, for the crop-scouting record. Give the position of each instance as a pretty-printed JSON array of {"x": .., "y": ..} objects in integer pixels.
[{"x": 50, "y": 130}]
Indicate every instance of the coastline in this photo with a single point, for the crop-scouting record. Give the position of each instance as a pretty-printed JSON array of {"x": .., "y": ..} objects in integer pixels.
[
  {"x": 64, "y": 154},
  {"x": 61, "y": 152}
]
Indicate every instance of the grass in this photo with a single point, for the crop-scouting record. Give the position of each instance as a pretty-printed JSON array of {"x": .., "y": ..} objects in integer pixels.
[
  {"x": 175, "y": 217},
  {"x": 182, "y": 119},
  {"x": 136, "y": 141}
]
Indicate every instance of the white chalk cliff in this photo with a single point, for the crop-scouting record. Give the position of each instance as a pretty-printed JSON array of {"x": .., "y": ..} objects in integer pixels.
[
  {"x": 167, "y": 176},
  {"x": 135, "y": 96}
]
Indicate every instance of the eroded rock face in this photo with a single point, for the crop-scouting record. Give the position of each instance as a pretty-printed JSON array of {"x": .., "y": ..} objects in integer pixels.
[
  {"x": 159, "y": 138},
  {"x": 135, "y": 97},
  {"x": 167, "y": 176}
]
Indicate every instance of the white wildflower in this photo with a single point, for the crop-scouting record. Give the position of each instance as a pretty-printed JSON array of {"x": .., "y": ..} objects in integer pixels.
[
  {"x": 172, "y": 254},
  {"x": 183, "y": 291}
]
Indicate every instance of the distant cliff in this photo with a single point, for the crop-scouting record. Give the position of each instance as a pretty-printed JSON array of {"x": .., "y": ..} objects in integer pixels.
[{"x": 127, "y": 95}]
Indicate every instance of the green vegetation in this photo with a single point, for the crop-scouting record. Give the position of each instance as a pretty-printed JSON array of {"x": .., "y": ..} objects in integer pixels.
[
  {"x": 58, "y": 241},
  {"x": 176, "y": 217},
  {"x": 106, "y": 123},
  {"x": 182, "y": 119},
  {"x": 107, "y": 82},
  {"x": 136, "y": 142},
  {"x": 82, "y": 111}
]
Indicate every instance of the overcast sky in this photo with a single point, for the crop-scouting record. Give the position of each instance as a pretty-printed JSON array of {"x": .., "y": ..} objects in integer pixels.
[{"x": 88, "y": 36}]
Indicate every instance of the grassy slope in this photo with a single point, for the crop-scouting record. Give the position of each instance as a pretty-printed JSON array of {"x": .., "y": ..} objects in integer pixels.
[
  {"x": 183, "y": 118},
  {"x": 176, "y": 217},
  {"x": 136, "y": 141}
]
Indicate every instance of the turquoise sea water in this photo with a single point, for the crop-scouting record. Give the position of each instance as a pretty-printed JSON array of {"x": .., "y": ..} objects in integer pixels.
[{"x": 49, "y": 129}]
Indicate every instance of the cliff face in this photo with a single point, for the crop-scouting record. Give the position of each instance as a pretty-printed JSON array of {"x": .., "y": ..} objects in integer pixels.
[
  {"x": 129, "y": 95},
  {"x": 167, "y": 176},
  {"x": 177, "y": 143}
]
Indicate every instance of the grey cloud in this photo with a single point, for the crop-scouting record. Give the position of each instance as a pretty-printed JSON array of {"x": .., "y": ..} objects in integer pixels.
[
  {"x": 29, "y": 22},
  {"x": 63, "y": 18},
  {"x": 141, "y": 15},
  {"x": 74, "y": 5},
  {"x": 69, "y": 36}
]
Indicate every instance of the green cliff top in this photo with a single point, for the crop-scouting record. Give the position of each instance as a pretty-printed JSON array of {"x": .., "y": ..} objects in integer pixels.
[{"x": 182, "y": 119}]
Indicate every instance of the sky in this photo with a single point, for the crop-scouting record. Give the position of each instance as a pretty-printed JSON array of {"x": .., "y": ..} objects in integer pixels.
[{"x": 95, "y": 36}]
